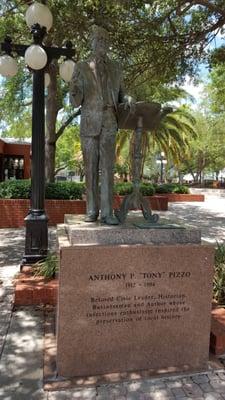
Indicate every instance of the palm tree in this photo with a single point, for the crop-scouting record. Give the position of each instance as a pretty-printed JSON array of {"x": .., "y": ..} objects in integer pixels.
[{"x": 172, "y": 135}]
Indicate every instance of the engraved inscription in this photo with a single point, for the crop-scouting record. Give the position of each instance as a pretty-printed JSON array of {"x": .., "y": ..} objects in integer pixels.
[{"x": 131, "y": 306}]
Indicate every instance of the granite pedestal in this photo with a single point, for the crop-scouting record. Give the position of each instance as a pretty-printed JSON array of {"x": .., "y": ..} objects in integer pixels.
[{"x": 132, "y": 299}]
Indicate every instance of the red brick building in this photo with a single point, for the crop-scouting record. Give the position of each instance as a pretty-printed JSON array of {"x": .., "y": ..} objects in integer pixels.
[{"x": 14, "y": 159}]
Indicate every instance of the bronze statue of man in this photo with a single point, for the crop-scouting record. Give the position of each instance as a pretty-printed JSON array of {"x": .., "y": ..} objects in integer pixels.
[{"x": 97, "y": 86}]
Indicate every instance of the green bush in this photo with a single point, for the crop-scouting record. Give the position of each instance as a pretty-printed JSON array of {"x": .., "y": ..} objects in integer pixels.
[
  {"x": 122, "y": 189},
  {"x": 21, "y": 189},
  {"x": 219, "y": 277},
  {"x": 64, "y": 190},
  {"x": 182, "y": 189},
  {"x": 147, "y": 189},
  {"x": 125, "y": 188},
  {"x": 171, "y": 188}
]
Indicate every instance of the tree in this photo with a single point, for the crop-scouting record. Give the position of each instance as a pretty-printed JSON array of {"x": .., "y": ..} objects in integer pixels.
[
  {"x": 68, "y": 151},
  {"x": 155, "y": 41},
  {"x": 215, "y": 90},
  {"x": 206, "y": 150}
]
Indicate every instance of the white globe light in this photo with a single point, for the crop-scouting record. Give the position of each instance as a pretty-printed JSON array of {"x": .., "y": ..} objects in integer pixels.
[
  {"x": 35, "y": 57},
  {"x": 39, "y": 14},
  {"x": 66, "y": 70},
  {"x": 8, "y": 66},
  {"x": 47, "y": 80}
]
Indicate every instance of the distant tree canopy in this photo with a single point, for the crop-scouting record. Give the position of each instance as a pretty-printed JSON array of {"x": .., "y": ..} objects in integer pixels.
[
  {"x": 157, "y": 43},
  {"x": 164, "y": 38}
]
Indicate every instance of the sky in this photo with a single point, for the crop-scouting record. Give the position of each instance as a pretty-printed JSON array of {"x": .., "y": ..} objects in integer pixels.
[{"x": 196, "y": 91}]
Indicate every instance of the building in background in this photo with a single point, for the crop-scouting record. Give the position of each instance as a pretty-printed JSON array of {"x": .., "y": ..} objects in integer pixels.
[{"x": 15, "y": 160}]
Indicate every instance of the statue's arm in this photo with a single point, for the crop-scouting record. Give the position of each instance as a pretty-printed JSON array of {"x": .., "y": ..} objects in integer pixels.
[{"x": 76, "y": 87}]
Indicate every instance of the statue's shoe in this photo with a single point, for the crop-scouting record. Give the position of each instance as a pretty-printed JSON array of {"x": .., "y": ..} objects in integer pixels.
[
  {"x": 91, "y": 218},
  {"x": 109, "y": 220}
]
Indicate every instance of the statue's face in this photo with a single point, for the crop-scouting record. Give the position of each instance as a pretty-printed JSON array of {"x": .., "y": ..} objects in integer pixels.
[{"x": 100, "y": 46}]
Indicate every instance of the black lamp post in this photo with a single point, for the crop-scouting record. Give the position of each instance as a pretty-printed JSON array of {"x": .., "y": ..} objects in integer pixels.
[
  {"x": 162, "y": 161},
  {"x": 37, "y": 56}
]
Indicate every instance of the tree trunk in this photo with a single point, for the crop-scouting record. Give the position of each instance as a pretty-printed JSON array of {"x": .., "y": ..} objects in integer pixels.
[
  {"x": 180, "y": 177},
  {"x": 51, "y": 116}
]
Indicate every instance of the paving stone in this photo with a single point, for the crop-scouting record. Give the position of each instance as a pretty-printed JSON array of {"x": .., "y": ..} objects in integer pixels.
[
  {"x": 111, "y": 391},
  {"x": 75, "y": 394},
  {"x": 146, "y": 386},
  {"x": 200, "y": 379},
  {"x": 21, "y": 395},
  {"x": 133, "y": 396},
  {"x": 192, "y": 390},
  {"x": 155, "y": 386},
  {"x": 174, "y": 384},
  {"x": 101, "y": 396},
  {"x": 22, "y": 359},
  {"x": 187, "y": 380},
  {"x": 221, "y": 375},
  {"x": 162, "y": 394},
  {"x": 178, "y": 392},
  {"x": 218, "y": 386},
  {"x": 118, "y": 398},
  {"x": 212, "y": 396},
  {"x": 133, "y": 386},
  {"x": 213, "y": 376},
  {"x": 206, "y": 387},
  {"x": 191, "y": 398}
]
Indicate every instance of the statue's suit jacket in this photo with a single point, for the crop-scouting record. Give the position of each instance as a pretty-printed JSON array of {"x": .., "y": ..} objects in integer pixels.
[{"x": 86, "y": 91}]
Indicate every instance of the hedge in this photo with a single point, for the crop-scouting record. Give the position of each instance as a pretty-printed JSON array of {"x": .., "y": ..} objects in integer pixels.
[
  {"x": 125, "y": 188},
  {"x": 21, "y": 189},
  {"x": 171, "y": 188}
]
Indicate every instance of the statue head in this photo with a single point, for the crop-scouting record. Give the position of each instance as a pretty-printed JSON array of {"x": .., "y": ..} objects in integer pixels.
[{"x": 99, "y": 40}]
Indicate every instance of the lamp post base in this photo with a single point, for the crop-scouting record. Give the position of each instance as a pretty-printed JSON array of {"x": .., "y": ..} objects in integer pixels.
[{"x": 36, "y": 243}]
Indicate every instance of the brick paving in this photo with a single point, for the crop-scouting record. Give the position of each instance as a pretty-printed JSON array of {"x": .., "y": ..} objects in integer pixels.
[{"x": 21, "y": 339}]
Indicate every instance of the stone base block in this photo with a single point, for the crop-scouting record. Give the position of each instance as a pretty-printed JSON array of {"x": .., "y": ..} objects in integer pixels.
[
  {"x": 80, "y": 232},
  {"x": 133, "y": 307}
]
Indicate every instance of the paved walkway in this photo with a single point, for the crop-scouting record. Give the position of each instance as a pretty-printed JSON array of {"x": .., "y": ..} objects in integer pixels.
[{"x": 21, "y": 330}]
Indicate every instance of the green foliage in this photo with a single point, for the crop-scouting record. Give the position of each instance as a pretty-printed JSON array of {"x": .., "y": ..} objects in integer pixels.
[
  {"x": 125, "y": 188},
  {"x": 171, "y": 188},
  {"x": 15, "y": 189},
  {"x": 140, "y": 29},
  {"x": 21, "y": 189},
  {"x": 64, "y": 190},
  {"x": 48, "y": 267},
  {"x": 20, "y": 128},
  {"x": 180, "y": 189},
  {"x": 206, "y": 150},
  {"x": 147, "y": 189},
  {"x": 175, "y": 132},
  {"x": 142, "y": 33},
  {"x": 219, "y": 277},
  {"x": 215, "y": 90},
  {"x": 68, "y": 151}
]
